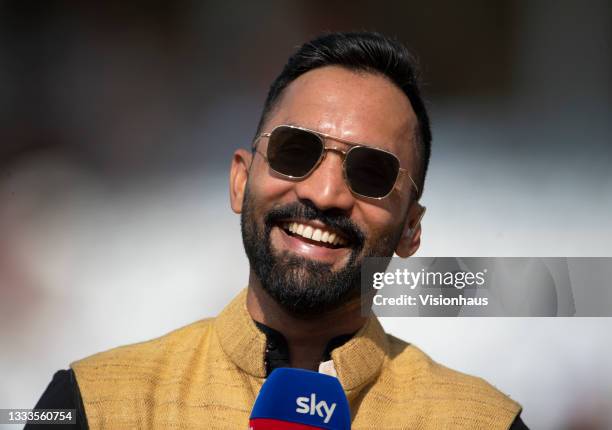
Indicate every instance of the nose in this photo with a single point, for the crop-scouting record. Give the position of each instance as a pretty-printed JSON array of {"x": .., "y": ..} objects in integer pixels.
[{"x": 325, "y": 187}]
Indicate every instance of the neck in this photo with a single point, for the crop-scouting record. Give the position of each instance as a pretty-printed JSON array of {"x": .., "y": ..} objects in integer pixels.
[{"x": 306, "y": 336}]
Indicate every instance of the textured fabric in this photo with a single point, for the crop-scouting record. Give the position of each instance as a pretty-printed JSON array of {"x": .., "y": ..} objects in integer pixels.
[
  {"x": 63, "y": 392},
  {"x": 207, "y": 375}
]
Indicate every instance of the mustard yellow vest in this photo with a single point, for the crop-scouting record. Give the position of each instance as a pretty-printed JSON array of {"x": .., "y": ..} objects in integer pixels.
[{"x": 208, "y": 374}]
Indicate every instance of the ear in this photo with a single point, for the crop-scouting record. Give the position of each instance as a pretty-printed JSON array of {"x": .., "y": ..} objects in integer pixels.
[
  {"x": 411, "y": 236},
  {"x": 239, "y": 173}
]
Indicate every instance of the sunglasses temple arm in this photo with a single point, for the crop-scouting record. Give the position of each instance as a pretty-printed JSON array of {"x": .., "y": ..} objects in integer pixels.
[
  {"x": 414, "y": 184},
  {"x": 404, "y": 171},
  {"x": 254, "y": 144},
  {"x": 257, "y": 139}
]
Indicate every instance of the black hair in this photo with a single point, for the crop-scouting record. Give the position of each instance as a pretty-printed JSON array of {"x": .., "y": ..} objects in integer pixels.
[{"x": 361, "y": 51}]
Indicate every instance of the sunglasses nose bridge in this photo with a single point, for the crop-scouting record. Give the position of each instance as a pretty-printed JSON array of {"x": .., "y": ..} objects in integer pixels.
[
  {"x": 341, "y": 153},
  {"x": 335, "y": 148}
]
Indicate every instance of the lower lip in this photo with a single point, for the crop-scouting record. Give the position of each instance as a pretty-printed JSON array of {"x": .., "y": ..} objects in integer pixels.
[{"x": 306, "y": 249}]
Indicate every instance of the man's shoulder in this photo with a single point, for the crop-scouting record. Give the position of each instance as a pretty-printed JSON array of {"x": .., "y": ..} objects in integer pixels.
[
  {"x": 121, "y": 387},
  {"x": 146, "y": 354},
  {"x": 408, "y": 366}
]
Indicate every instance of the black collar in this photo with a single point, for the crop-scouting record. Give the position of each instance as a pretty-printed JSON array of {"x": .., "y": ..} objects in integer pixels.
[{"x": 277, "y": 350}]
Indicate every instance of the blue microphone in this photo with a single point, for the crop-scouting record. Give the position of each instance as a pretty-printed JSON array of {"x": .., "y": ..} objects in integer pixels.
[{"x": 298, "y": 399}]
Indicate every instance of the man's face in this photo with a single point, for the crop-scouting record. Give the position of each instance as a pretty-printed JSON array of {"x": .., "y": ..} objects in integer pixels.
[{"x": 309, "y": 276}]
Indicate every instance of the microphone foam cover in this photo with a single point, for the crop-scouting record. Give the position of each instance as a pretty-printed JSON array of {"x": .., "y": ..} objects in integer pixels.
[{"x": 298, "y": 399}]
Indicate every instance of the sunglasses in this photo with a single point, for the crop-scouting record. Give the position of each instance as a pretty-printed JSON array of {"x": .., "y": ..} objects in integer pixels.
[{"x": 295, "y": 152}]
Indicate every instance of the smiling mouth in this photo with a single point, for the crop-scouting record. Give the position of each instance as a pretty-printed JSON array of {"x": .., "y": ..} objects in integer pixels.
[{"x": 314, "y": 235}]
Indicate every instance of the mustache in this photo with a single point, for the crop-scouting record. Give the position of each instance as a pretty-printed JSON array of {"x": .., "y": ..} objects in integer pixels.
[{"x": 332, "y": 217}]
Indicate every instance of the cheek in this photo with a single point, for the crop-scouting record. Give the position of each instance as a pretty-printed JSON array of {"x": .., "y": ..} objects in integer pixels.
[
  {"x": 270, "y": 190},
  {"x": 381, "y": 221}
]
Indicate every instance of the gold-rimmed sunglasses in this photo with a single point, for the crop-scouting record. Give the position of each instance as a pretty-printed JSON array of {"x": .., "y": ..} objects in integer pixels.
[{"x": 295, "y": 152}]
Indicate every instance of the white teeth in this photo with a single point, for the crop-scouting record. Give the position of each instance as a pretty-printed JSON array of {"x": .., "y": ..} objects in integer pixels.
[
  {"x": 324, "y": 236},
  {"x": 316, "y": 234},
  {"x": 307, "y": 232}
]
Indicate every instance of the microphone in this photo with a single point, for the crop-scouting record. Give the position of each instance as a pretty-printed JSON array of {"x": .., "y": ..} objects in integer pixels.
[{"x": 298, "y": 399}]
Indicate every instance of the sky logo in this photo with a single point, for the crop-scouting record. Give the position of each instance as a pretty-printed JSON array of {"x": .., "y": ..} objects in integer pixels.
[{"x": 309, "y": 405}]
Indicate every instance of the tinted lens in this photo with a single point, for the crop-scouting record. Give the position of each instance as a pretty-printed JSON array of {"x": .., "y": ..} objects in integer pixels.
[
  {"x": 293, "y": 152},
  {"x": 371, "y": 172}
]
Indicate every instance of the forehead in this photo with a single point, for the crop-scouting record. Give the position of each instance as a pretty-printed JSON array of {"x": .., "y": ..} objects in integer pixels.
[{"x": 358, "y": 106}]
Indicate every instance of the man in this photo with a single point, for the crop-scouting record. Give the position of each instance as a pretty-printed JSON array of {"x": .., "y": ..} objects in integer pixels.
[{"x": 334, "y": 175}]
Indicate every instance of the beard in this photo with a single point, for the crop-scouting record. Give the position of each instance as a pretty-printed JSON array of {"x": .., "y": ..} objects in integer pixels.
[{"x": 302, "y": 286}]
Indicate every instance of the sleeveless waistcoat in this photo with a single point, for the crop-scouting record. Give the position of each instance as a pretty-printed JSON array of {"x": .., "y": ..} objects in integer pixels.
[{"x": 208, "y": 374}]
